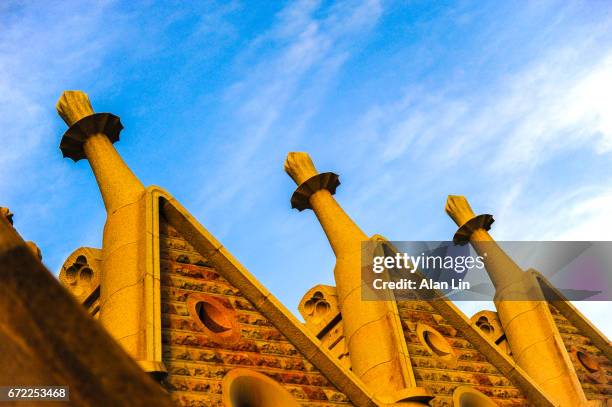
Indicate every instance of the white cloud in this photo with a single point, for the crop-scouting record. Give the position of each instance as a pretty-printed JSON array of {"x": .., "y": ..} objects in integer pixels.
[
  {"x": 500, "y": 137},
  {"x": 559, "y": 104},
  {"x": 297, "y": 58},
  {"x": 36, "y": 65},
  {"x": 500, "y": 134},
  {"x": 556, "y": 104}
]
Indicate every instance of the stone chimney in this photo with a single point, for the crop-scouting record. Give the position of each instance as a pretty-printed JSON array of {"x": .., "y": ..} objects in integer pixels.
[
  {"x": 91, "y": 136},
  {"x": 531, "y": 332},
  {"x": 372, "y": 329}
]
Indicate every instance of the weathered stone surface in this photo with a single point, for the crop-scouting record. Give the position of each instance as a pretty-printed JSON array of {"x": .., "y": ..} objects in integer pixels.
[
  {"x": 537, "y": 350},
  {"x": 47, "y": 338},
  {"x": 372, "y": 329},
  {"x": 592, "y": 366},
  {"x": 442, "y": 378},
  {"x": 197, "y": 360}
]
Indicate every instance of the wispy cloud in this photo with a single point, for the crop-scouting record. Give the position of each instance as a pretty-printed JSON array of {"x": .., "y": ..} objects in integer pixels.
[
  {"x": 509, "y": 129},
  {"x": 517, "y": 124},
  {"x": 36, "y": 65},
  {"x": 295, "y": 62},
  {"x": 508, "y": 106},
  {"x": 41, "y": 54},
  {"x": 530, "y": 145}
]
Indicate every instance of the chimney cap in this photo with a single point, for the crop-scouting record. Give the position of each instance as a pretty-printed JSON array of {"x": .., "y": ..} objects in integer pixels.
[{"x": 74, "y": 107}]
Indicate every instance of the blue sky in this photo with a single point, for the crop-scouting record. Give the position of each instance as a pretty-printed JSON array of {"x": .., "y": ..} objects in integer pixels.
[{"x": 507, "y": 103}]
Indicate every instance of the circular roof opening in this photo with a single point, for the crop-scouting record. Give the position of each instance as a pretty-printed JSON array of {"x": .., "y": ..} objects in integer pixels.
[
  {"x": 213, "y": 317},
  {"x": 466, "y": 396},
  {"x": 587, "y": 361},
  {"x": 436, "y": 344},
  {"x": 216, "y": 318},
  {"x": 247, "y": 388}
]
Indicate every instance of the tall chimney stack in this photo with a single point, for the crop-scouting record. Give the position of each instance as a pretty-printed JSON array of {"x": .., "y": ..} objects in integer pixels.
[
  {"x": 372, "y": 329},
  {"x": 122, "y": 290},
  {"x": 523, "y": 311}
]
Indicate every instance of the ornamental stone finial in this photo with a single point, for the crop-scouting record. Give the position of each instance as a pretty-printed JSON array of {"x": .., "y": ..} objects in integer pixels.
[
  {"x": 75, "y": 109},
  {"x": 459, "y": 209},
  {"x": 300, "y": 167},
  {"x": 91, "y": 136},
  {"x": 73, "y": 105},
  {"x": 302, "y": 170}
]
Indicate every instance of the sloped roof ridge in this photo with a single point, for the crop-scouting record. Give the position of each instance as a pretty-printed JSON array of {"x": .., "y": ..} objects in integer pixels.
[
  {"x": 266, "y": 303},
  {"x": 504, "y": 363},
  {"x": 565, "y": 307}
]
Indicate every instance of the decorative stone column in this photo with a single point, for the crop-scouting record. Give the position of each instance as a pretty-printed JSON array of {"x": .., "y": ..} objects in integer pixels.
[
  {"x": 531, "y": 332},
  {"x": 372, "y": 329},
  {"x": 91, "y": 136}
]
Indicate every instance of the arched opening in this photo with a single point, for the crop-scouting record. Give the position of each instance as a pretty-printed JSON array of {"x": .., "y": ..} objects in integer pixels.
[
  {"x": 317, "y": 307},
  {"x": 213, "y": 317},
  {"x": 216, "y": 317},
  {"x": 247, "y": 388},
  {"x": 71, "y": 274},
  {"x": 465, "y": 396},
  {"x": 437, "y": 343},
  {"x": 86, "y": 275},
  {"x": 587, "y": 361}
]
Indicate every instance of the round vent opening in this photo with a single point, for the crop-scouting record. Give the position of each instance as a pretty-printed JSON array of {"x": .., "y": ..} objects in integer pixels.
[
  {"x": 213, "y": 317},
  {"x": 437, "y": 343},
  {"x": 247, "y": 388},
  {"x": 465, "y": 396},
  {"x": 588, "y": 361}
]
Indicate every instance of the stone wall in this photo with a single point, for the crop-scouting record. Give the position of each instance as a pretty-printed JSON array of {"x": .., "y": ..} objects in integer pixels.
[
  {"x": 592, "y": 366},
  {"x": 198, "y": 353},
  {"x": 459, "y": 365}
]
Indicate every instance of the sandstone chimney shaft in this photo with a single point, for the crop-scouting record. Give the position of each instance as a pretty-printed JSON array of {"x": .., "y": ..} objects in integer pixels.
[
  {"x": 90, "y": 135},
  {"x": 372, "y": 329},
  {"x": 122, "y": 292},
  {"x": 533, "y": 337}
]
